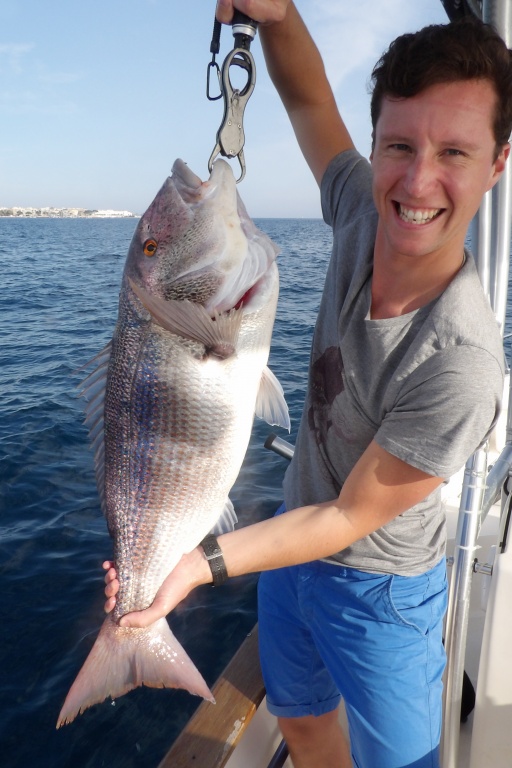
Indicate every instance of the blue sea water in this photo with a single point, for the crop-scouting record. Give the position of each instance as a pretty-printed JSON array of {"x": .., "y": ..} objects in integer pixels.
[{"x": 58, "y": 306}]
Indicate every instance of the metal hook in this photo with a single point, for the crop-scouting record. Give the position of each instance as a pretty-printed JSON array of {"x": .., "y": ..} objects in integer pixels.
[{"x": 231, "y": 136}]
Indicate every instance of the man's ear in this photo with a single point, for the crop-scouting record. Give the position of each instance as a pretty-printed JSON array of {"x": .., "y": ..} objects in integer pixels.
[{"x": 499, "y": 165}]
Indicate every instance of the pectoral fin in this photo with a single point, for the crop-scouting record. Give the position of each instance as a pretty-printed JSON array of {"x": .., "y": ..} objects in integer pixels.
[
  {"x": 270, "y": 403},
  {"x": 191, "y": 321}
]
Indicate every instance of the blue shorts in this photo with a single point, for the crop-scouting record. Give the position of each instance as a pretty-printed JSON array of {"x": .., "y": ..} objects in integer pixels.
[{"x": 328, "y": 632}]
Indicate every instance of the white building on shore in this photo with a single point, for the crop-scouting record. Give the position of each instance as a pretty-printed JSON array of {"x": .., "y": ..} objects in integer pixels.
[{"x": 64, "y": 213}]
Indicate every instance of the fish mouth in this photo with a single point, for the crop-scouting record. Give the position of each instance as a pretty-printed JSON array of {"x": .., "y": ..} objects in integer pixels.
[
  {"x": 417, "y": 216},
  {"x": 193, "y": 189},
  {"x": 230, "y": 280},
  {"x": 184, "y": 177}
]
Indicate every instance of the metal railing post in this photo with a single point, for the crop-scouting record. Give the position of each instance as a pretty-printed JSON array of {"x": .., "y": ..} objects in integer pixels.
[{"x": 458, "y": 609}]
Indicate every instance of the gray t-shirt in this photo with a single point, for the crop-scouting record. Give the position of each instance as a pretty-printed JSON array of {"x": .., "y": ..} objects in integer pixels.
[{"x": 426, "y": 386}]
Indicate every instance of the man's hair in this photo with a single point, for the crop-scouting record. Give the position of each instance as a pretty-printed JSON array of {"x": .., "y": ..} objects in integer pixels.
[{"x": 443, "y": 53}]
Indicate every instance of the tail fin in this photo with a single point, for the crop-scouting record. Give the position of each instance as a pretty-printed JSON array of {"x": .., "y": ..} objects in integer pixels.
[{"x": 123, "y": 658}]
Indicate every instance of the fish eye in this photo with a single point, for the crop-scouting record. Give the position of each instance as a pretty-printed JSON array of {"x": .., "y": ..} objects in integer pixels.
[{"x": 150, "y": 247}]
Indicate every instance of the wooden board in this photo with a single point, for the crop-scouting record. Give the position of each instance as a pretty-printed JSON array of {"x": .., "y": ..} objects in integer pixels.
[{"x": 214, "y": 730}]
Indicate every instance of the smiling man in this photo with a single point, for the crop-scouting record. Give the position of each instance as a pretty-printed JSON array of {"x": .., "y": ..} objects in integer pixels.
[
  {"x": 406, "y": 378},
  {"x": 429, "y": 173}
]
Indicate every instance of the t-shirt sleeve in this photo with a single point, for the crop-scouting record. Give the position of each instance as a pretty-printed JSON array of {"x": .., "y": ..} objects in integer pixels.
[
  {"x": 444, "y": 411},
  {"x": 346, "y": 189}
]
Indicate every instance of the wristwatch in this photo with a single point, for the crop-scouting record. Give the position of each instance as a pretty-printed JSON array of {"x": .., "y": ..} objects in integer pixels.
[{"x": 213, "y": 554}]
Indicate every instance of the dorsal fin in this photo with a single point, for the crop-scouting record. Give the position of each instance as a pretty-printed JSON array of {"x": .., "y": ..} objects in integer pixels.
[{"x": 93, "y": 391}]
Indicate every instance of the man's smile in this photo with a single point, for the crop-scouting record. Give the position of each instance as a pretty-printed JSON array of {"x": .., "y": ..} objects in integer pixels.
[{"x": 417, "y": 215}]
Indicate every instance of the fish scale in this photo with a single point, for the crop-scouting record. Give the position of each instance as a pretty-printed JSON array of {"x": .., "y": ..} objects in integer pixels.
[{"x": 186, "y": 374}]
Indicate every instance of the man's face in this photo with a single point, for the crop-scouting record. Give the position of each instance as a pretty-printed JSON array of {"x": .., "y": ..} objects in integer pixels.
[{"x": 432, "y": 162}]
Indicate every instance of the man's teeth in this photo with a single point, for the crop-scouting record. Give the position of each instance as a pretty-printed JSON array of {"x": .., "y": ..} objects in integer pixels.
[{"x": 417, "y": 217}]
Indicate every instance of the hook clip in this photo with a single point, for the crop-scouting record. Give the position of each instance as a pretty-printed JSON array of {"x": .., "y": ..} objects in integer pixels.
[{"x": 231, "y": 136}]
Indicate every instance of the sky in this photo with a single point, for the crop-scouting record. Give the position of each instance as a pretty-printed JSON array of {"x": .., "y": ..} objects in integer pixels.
[{"x": 98, "y": 98}]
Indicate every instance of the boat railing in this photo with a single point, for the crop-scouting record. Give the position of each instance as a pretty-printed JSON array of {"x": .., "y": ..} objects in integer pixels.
[
  {"x": 491, "y": 246},
  {"x": 480, "y": 491}
]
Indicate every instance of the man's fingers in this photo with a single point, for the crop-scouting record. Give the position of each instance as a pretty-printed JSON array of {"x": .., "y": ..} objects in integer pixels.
[
  {"x": 263, "y": 11},
  {"x": 110, "y": 576},
  {"x": 112, "y": 588},
  {"x": 109, "y": 605},
  {"x": 224, "y": 11}
]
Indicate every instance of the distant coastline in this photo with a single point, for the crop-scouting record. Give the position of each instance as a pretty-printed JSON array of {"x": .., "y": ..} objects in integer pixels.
[{"x": 65, "y": 213}]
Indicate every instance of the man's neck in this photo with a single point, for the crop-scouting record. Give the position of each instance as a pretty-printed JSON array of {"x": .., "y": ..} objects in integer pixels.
[{"x": 401, "y": 284}]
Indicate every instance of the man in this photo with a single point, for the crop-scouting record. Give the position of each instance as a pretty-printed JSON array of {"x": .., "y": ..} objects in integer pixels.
[{"x": 405, "y": 383}]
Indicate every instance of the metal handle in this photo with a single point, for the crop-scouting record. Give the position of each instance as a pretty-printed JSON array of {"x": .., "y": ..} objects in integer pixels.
[{"x": 244, "y": 30}]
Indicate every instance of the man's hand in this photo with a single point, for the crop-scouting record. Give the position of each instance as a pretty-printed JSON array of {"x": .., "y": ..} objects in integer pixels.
[
  {"x": 262, "y": 11},
  {"x": 191, "y": 571}
]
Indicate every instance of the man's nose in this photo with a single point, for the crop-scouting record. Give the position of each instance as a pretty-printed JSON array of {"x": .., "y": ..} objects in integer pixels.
[{"x": 420, "y": 176}]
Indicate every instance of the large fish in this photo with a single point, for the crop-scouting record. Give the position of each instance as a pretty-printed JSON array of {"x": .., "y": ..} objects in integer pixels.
[{"x": 170, "y": 410}]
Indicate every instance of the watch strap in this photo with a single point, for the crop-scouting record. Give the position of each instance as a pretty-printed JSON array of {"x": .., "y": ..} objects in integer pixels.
[{"x": 213, "y": 554}]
